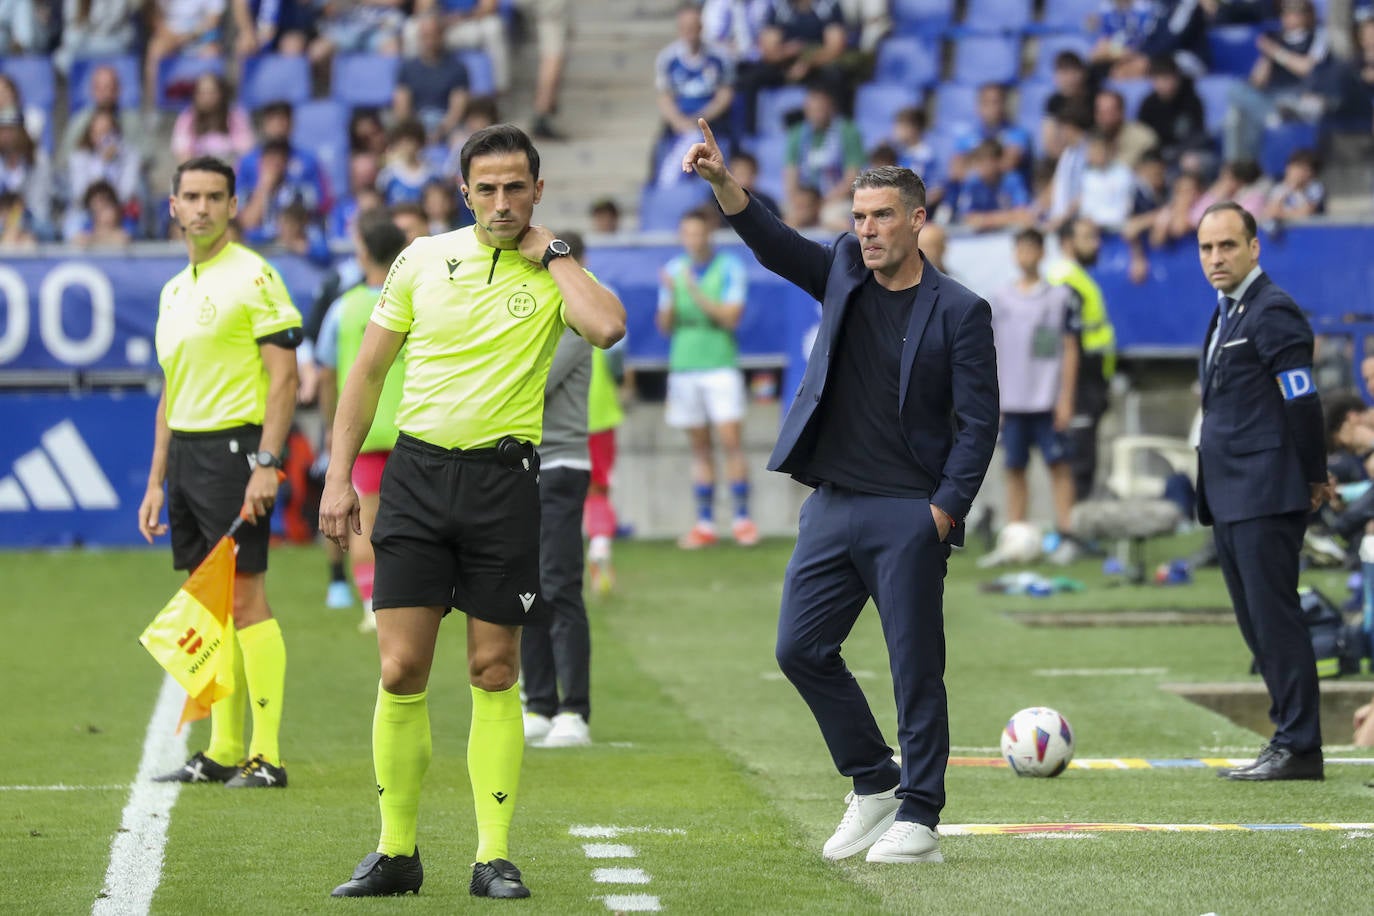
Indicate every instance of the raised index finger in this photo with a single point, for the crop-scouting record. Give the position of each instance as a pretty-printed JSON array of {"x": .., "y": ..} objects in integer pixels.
[{"x": 706, "y": 135}]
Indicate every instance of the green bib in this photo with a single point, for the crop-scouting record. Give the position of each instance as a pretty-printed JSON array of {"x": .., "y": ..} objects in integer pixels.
[
  {"x": 356, "y": 306},
  {"x": 698, "y": 343}
]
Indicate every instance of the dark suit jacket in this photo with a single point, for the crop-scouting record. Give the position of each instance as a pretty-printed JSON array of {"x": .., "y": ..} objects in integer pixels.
[
  {"x": 949, "y": 404},
  {"x": 1258, "y": 453}
]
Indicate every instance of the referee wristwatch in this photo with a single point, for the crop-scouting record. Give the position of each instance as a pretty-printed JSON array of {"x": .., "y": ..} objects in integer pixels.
[
  {"x": 557, "y": 249},
  {"x": 265, "y": 459}
]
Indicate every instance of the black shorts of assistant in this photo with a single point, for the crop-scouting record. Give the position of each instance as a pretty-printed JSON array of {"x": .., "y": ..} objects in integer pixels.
[
  {"x": 207, "y": 474},
  {"x": 460, "y": 529}
]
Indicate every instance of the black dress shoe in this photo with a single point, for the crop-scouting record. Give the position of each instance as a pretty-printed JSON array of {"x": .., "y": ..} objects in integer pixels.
[
  {"x": 379, "y": 875},
  {"x": 1283, "y": 763},
  {"x": 497, "y": 878},
  {"x": 1264, "y": 754}
]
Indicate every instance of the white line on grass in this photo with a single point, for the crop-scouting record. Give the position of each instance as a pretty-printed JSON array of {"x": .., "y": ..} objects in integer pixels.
[
  {"x": 1095, "y": 672},
  {"x": 620, "y": 876},
  {"x": 610, "y": 833},
  {"x": 136, "y": 853},
  {"x": 608, "y": 851},
  {"x": 60, "y": 788},
  {"x": 632, "y": 903}
]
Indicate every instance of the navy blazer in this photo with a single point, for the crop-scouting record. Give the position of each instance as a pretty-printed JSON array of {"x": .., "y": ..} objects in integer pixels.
[
  {"x": 1259, "y": 453},
  {"x": 949, "y": 404}
]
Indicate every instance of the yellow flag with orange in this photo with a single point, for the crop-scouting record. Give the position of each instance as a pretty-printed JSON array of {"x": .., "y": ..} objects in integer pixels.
[{"x": 193, "y": 636}]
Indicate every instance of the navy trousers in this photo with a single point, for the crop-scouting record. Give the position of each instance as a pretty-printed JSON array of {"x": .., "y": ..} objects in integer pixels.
[
  {"x": 1259, "y": 559},
  {"x": 850, "y": 547}
]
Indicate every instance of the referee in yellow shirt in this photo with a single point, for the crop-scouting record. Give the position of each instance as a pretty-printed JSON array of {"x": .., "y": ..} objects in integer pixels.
[
  {"x": 226, "y": 330},
  {"x": 480, "y": 311}
]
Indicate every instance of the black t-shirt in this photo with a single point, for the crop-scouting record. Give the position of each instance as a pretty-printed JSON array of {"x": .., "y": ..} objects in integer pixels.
[
  {"x": 859, "y": 441},
  {"x": 1177, "y": 122}
]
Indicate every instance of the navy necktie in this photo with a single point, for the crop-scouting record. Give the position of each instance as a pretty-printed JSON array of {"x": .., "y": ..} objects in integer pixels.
[{"x": 1223, "y": 316}]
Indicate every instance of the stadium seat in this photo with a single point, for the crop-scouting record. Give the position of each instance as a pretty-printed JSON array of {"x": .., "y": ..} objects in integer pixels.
[
  {"x": 321, "y": 126},
  {"x": 364, "y": 80},
  {"x": 1051, "y": 45},
  {"x": 922, "y": 17},
  {"x": 481, "y": 82},
  {"x": 661, "y": 207},
  {"x": 34, "y": 76},
  {"x": 982, "y": 59},
  {"x": 274, "y": 78},
  {"x": 130, "y": 80},
  {"x": 1282, "y": 141},
  {"x": 907, "y": 60},
  {"x": 1233, "y": 48},
  {"x": 1066, "y": 16},
  {"x": 176, "y": 77},
  {"x": 1132, "y": 91},
  {"x": 995, "y": 16},
  {"x": 1031, "y": 97},
  {"x": 874, "y": 106},
  {"x": 955, "y": 107},
  {"x": 1214, "y": 90},
  {"x": 773, "y": 107}
]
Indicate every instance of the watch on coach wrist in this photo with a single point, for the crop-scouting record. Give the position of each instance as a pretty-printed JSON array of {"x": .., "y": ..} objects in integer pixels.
[
  {"x": 557, "y": 249},
  {"x": 266, "y": 459}
]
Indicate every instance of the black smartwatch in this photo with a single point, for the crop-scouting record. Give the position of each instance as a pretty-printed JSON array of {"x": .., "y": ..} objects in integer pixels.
[
  {"x": 557, "y": 249},
  {"x": 266, "y": 460}
]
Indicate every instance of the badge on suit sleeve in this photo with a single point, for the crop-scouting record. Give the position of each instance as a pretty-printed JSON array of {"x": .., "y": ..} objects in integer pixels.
[{"x": 1296, "y": 383}]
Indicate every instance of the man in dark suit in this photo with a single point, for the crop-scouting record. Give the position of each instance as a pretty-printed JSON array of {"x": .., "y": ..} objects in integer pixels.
[
  {"x": 894, "y": 424},
  {"x": 1261, "y": 470}
]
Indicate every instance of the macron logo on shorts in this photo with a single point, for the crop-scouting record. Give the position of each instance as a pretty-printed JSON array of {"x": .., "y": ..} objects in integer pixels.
[{"x": 527, "y": 599}]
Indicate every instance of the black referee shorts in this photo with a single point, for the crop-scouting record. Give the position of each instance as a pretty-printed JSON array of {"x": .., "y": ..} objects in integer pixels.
[
  {"x": 206, "y": 476},
  {"x": 460, "y": 529}
]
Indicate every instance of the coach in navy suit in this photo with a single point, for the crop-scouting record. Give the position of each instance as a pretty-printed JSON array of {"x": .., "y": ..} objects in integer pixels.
[
  {"x": 894, "y": 425},
  {"x": 1261, "y": 470}
]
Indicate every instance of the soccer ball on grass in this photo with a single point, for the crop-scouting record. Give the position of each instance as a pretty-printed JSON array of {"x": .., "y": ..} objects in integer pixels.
[{"x": 1037, "y": 742}]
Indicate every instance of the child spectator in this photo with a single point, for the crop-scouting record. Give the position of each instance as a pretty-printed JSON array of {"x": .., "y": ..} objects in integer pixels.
[
  {"x": 990, "y": 197},
  {"x": 1108, "y": 187},
  {"x": 403, "y": 177},
  {"x": 102, "y": 219},
  {"x": 1300, "y": 194},
  {"x": 212, "y": 125},
  {"x": 102, "y": 155}
]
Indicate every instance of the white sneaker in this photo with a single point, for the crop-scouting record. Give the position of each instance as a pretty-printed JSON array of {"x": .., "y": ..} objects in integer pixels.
[
  {"x": 568, "y": 730},
  {"x": 907, "y": 841},
  {"x": 866, "y": 819},
  {"x": 536, "y": 727}
]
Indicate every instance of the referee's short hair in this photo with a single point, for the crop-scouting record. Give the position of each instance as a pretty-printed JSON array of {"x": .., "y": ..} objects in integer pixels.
[
  {"x": 381, "y": 237},
  {"x": 205, "y": 164},
  {"x": 1247, "y": 218},
  {"x": 497, "y": 140},
  {"x": 908, "y": 184}
]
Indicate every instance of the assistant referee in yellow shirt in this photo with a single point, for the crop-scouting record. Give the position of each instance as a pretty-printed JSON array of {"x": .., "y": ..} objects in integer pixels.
[
  {"x": 226, "y": 330},
  {"x": 480, "y": 311}
]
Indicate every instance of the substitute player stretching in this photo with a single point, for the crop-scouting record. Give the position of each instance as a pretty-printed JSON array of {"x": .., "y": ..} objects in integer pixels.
[
  {"x": 226, "y": 330},
  {"x": 479, "y": 311}
]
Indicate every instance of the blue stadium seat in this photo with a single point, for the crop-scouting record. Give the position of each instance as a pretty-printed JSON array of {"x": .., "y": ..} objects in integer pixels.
[
  {"x": 982, "y": 59},
  {"x": 661, "y": 207},
  {"x": 1233, "y": 48},
  {"x": 1132, "y": 91},
  {"x": 274, "y": 78},
  {"x": 364, "y": 80},
  {"x": 908, "y": 60},
  {"x": 481, "y": 82},
  {"x": 771, "y": 152},
  {"x": 1031, "y": 97},
  {"x": 1281, "y": 142},
  {"x": 130, "y": 80},
  {"x": 1214, "y": 90},
  {"x": 773, "y": 106},
  {"x": 321, "y": 126},
  {"x": 955, "y": 107},
  {"x": 1066, "y": 16},
  {"x": 874, "y": 106},
  {"x": 922, "y": 17},
  {"x": 34, "y": 76},
  {"x": 176, "y": 77},
  {"x": 1051, "y": 45},
  {"x": 996, "y": 16}
]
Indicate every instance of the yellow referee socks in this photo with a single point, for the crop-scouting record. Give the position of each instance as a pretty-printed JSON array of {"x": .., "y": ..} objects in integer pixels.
[
  {"x": 226, "y": 719},
  {"x": 401, "y": 750},
  {"x": 496, "y": 747},
  {"x": 264, "y": 668}
]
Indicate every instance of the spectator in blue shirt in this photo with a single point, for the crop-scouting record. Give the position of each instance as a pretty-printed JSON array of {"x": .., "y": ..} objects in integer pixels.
[
  {"x": 1279, "y": 80},
  {"x": 915, "y": 152},
  {"x": 990, "y": 197},
  {"x": 801, "y": 41},
  {"x": 1300, "y": 194},
  {"x": 826, "y": 151},
  {"x": 432, "y": 86},
  {"x": 993, "y": 124},
  {"x": 362, "y": 194},
  {"x": 693, "y": 81},
  {"x": 1121, "y": 27},
  {"x": 303, "y": 174},
  {"x": 275, "y": 188},
  {"x": 403, "y": 178}
]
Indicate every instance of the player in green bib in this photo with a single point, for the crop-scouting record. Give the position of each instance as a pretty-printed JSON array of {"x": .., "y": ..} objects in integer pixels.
[
  {"x": 377, "y": 240},
  {"x": 479, "y": 312},
  {"x": 226, "y": 330}
]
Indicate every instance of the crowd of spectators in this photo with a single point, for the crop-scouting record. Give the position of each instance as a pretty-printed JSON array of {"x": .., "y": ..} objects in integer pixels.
[{"x": 425, "y": 74}]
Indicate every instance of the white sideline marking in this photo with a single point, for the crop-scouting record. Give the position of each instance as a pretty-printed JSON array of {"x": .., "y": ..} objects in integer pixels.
[
  {"x": 1057, "y": 836},
  {"x": 610, "y": 833},
  {"x": 1095, "y": 672},
  {"x": 632, "y": 903},
  {"x": 608, "y": 851},
  {"x": 136, "y": 853},
  {"x": 60, "y": 788},
  {"x": 620, "y": 876}
]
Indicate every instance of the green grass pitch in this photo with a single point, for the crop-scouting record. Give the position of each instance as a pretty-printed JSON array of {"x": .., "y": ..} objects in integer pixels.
[{"x": 697, "y": 736}]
